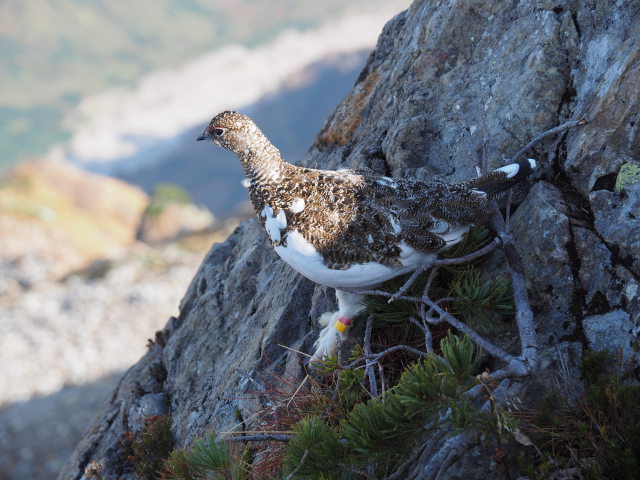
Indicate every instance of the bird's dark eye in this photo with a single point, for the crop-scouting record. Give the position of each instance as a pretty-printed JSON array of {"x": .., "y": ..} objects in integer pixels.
[{"x": 218, "y": 132}]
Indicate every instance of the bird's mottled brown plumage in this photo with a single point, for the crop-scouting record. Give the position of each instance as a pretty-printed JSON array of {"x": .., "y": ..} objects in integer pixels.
[
  {"x": 349, "y": 216},
  {"x": 349, "y": 229}
]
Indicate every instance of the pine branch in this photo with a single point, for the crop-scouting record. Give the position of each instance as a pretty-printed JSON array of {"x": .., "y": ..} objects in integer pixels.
[
  {"x": 489, "y": 347},
  {"x": 524, "y": 315},
  {"x": 368, "y": 369},
  {"x": 295, "y": 470},
  {"x": 440, "y": 262},
  {"x": 258, "y": 438},
  {"x": 552, "y": 131}
]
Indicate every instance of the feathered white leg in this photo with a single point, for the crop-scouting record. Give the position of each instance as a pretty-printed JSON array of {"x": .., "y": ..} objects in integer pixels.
[{"x": 336, "y": 324}]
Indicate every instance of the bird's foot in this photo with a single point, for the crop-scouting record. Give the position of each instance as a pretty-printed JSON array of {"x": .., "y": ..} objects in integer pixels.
[{"x": 334, "y": 332}]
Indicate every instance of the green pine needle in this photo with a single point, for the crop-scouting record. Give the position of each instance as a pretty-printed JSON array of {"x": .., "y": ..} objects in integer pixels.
[
  {"x": 476, "y": 238},
  {"x": 462, "y": 356},
  {"x": 318, "y": 443},
  {"x": 478, "y": 299}
]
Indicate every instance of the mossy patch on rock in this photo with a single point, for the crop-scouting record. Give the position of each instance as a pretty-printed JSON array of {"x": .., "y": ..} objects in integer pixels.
[{"x": 628, "y": 175}]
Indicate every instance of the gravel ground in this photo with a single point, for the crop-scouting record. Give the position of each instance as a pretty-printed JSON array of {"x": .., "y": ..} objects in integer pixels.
[{"x": 65, "y": 344}]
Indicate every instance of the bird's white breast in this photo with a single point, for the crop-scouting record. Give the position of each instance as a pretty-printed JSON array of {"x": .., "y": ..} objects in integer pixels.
[{"x": 304, "y": 258}]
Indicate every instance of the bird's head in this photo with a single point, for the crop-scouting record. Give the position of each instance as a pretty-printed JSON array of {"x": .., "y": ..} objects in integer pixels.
[{"x": 233, "y": 131}]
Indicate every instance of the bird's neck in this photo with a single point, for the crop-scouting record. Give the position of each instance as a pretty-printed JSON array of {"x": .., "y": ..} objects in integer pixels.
[{"x": 262, "y": 164}]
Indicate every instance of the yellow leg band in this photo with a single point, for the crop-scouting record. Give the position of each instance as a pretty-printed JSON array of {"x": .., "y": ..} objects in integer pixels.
[{"x": 341, "y": 327}]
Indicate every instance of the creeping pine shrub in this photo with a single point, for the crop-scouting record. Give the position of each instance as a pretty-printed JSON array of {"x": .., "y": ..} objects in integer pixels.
[
  {"x": 148, "y": 448},
  {"x": 429, "y": 395},
  {"x": 338, "y": 429},
  {"x": 598, "y": 435},
  {"x": 207, "y": 459},
  {"x": 381, "y": 431},
  {"x": 474, "y": 298}
]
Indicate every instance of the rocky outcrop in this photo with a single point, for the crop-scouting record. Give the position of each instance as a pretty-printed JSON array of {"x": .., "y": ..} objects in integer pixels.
[{"x": 502, "y": 70}]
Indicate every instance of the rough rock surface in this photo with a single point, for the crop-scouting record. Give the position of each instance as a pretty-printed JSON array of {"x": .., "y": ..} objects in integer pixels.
[{"x": 507, "y": 70}]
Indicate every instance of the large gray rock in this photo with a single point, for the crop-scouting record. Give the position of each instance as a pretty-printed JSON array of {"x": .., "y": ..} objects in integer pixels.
[
  {"x": 612, "y": 331},
  {"x": 507, "y": 70}
]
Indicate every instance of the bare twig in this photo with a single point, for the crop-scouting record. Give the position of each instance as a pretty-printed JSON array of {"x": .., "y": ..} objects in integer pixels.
[
  {"x": 382, "y": 383},
  {"x": 560, "y": 128},
  {"x": 376, "y": 357},
  {"x": 490, "y": 348},
  {"x": 368, "y": 369},
  {"x": 411, "y": 280},
  {"x": 295, "y": 470},
  {"x": 258, "y": 438},
  {"x": 399, "y": 295},
  {"x": 524, "y": 316},
  {"x": 430, "y": 279},
  {"x": 304, "y": 380},
  {"x": 431, "y": 467},
  {"x": 474, "y": 159}
]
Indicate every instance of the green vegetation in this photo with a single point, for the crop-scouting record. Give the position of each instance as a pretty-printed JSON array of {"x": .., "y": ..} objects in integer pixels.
[
  {"x": 628, "y": 175},
  {"x": 474, "y": 298},
  {"x": 340, "y": 429},
  {"x": 54, "y": 53},
  {"x": 148, "y": 448},
  {"x": 597, "y": 434},
  {"x": 207, "y": 459},
  {"x": 164, "y": 194},
  {"x": 377, "y": 433}
]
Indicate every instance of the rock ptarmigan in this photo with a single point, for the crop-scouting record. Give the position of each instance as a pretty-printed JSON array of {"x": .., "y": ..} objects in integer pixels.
[{"x": 348, "y": 229}]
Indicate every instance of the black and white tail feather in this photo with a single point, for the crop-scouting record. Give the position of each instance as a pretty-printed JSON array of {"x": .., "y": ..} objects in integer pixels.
[{"x": 492, "y": 184}]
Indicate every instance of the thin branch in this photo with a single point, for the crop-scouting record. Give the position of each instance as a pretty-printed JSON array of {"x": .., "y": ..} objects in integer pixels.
[
  {"x": 295, "y": 470},
  {"x": 304, "y": 380},
  {"x": 492, "y": 245},
  {"x": 258, "y": 438},
  {"x": 490, "y": 348},
  {"x": 382, "y": 383},
  {"x": 414, "y": 276},
  {"x": 399, "y": 295},
  {"x": 375, "y": 357},
  {"x": 381, "y": 293},
  {"x": 560, "y": 128},
  {"x": 368, "y": 369},
  {"x": 430, "y": 279},
  {"x": 524, "y": 314},
  {"x": 432, "y": 467}
]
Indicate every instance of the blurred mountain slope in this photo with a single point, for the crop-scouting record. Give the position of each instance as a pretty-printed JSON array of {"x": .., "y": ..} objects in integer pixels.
[
  {"x": 290, "y": 117},
  {"x": 54, "y": 52},
  {"x": 65, "y": 216}
]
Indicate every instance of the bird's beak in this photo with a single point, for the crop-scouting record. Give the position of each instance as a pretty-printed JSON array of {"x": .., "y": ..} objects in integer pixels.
[{"x": 204, "y": 136}]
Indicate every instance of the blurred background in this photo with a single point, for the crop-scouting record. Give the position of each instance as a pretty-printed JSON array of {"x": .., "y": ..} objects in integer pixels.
[{"x": 107, "y": 203}]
